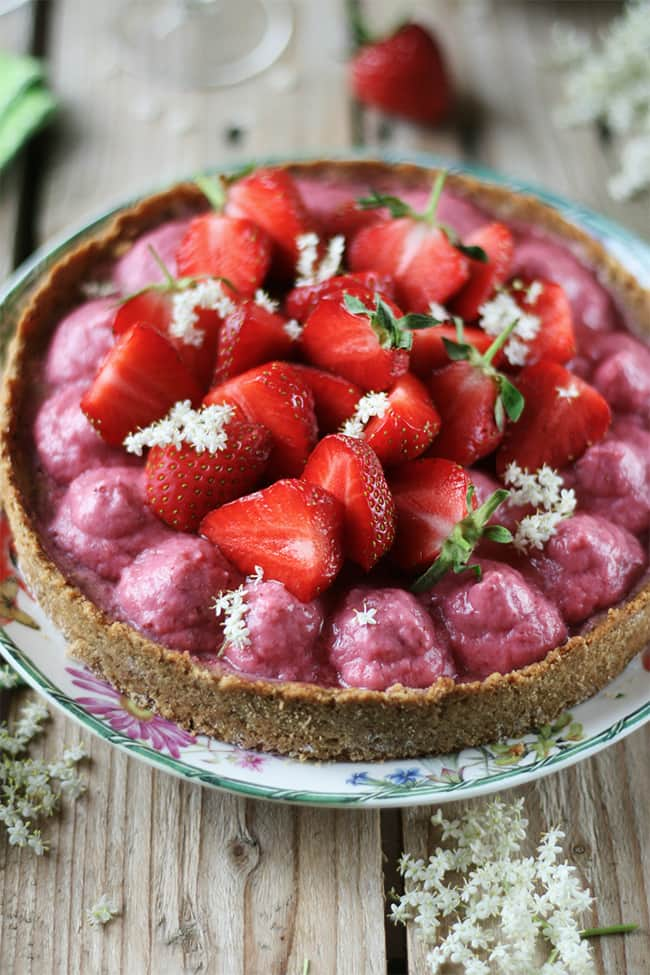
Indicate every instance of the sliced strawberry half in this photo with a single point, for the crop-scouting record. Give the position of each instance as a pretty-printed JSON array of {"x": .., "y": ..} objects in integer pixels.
[
  {"x": 335, "y": 398},
  {"x": 428, "y": 351},
  {"x": 350, "y": 470},
  {"x": 182, "y": 485},
  {"x": 354, "y": 344},
  {"x": 465, "y": 399},
  {"x": 563, "y": 416},
  {"x": 497, "y": 243},
  {"x": 236, "y": 249},
  {"x": 302, "y": 300},
  {"x": 548, "y": 301},
  {"x": 426, "y": 267},
  {"x": 250, "y": 336},
  {"x": 408, "y": 426},
  {"x": 276, "y": 396},
  {"x": 139, "y": 380},
  {"x": 430, "y": 498},
  {"x": 155, "y": 309},
  {"x": 271, "y": 199},
  {"x": 291, "y": 529}
]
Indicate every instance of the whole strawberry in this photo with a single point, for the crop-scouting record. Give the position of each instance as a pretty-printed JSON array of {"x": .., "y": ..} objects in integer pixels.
[{"x": 403, "y": 74}]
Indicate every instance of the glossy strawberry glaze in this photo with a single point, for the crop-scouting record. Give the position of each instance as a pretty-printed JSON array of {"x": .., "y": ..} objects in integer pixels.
[{"x": 99, "y": 530}]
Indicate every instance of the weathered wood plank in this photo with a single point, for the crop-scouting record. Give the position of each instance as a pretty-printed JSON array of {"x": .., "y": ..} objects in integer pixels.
[{"x": 208, "y": 882}]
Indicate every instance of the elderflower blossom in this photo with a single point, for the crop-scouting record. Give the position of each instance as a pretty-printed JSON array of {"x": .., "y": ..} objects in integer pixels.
[
  {"x": 611, "y": 86},
  {"x": 439, "y": 312},
  {"x": 103, "y": 911},
  {"x": 265, "y": 301},
  {"x": 31, "y": 789},
  {"x": 498, "y": 313},
  {"x": 293, "y": 329},
  {"x": 309, "y": 269},
  {"x": 233, "y": 607},
  {"x": 365, "y": 616},
  {"x": 545, "y": 492},
  {"x": 203, "y": 429},
  {"x": 208, "y": 294},
  {"x": 497, "y": 907},
  {"x": 372, "y": 404},
  {"x": 9, "y": 678}
]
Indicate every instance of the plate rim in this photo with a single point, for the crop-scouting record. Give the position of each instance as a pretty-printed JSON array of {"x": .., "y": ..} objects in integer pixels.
[{"x": 20, "y": 281}]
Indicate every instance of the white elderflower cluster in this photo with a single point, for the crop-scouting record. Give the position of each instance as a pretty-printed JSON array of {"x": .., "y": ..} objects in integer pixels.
[
  {"x": 498, "y": 313},
  {"x": 544, "y": 491},
  {"x": 365, "y": 616},
  {"x": 264, "y": 300},
  {"x": 485, "y": 906},
  {"x": 31, "y": 789},
  {"x": 209, "y": 295},
  {"x": 293, "y": 329},
  {"x": 372, "y": 404},
  {"x": 203, "y": 429},
  {"x": 103, "y": 911},
  {"x": 309, "y": 270},
  {"x": 438, "y": 311},
  {"x": 9, "y": 678},
  {"x": 611, "y": 86},
  {"x": 233, "y": 607}
]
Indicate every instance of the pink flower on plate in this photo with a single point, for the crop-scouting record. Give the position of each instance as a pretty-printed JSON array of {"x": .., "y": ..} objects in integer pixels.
[
  {"x": 248, "y": 760},
  {"x": 128, "y": 718}
]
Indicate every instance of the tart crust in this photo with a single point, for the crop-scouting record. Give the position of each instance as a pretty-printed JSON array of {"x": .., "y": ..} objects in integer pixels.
[{"x": 302, "y": 720}]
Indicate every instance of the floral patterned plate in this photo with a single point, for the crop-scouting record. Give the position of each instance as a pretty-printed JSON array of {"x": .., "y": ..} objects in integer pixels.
[{"x": 36, "y": 649}]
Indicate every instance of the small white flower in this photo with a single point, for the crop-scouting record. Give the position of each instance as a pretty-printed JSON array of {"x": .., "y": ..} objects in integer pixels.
[
  {"x": 203, "y": 429},
  {"x": 208, "y": 294},
  {"x": 372, "y": 404},
  {"x": 293, "y": 329},
  {"x": 309, "y": 271},
  {"x": 533, "y": 292},
  {"x": 264, "y": 300},
  {"x": 498, "y": 313},
  {"x": 439, "y": 311},
  {"x": 365, "y": 616},
  {"x": 258, "y": 574},
  {"x": 233, "y": 607},
  {"x": 567, "y": 392},
  {"x": 98, "y": 289},
  {"x": 18, "y": 833},
  {"x": 103, "y": 911}
]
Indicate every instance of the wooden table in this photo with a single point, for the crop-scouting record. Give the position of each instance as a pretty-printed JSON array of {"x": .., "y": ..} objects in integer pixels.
[{"x": 214, "y": 883}]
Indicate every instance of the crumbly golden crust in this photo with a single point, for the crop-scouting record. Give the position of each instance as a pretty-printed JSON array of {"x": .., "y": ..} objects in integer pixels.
[{"x": 301, "y": 719}]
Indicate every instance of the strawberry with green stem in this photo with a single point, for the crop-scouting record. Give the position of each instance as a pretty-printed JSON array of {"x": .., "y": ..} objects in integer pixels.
[
  {"x": 473, "y": 399},
  {"x": 426, "y": 258},
  {"x": 220, "y": 245},
  {"x": 367, "y": 345},
  {"x": 167, "y": 307}
]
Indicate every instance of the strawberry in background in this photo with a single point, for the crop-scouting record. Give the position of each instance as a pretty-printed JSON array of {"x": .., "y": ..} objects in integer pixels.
[{"x": 402, "y": 74}]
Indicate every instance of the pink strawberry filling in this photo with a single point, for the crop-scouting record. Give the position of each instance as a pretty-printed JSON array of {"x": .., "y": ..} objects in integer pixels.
[
  {"x": 164, "y": 583},
  {"x": 381, "y": 637},
  {"x": 138, "y": 267},
  {"x": 168, "y": 590},
  {"x": 498, "y": 623},
  {"x": 80, "y": 342},
  {"x": 65, "y": 441},
  {"x": 283, "y": 635}
]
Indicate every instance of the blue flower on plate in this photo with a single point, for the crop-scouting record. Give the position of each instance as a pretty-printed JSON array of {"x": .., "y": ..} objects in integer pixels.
[
  {"x": 359, "y": 778},
  {"x": 405, "y": 776}
]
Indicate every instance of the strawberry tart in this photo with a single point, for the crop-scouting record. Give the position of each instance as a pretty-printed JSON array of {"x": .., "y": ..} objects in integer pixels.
[{"x": 337, "y": 459}]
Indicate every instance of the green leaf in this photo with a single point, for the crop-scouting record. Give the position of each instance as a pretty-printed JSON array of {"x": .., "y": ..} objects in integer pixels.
[
  {"x": 376, "y": 200},
  {"x": 498, "y": 533},
  {"x": 513, "y": 401},
  {"x": 472, "y": 250},
  {"x": 416, "y": 322},
  {"x": 355, "y": 306},
  {"x": 213, "y": 188},
  {"x": 457, "y": 350}
]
